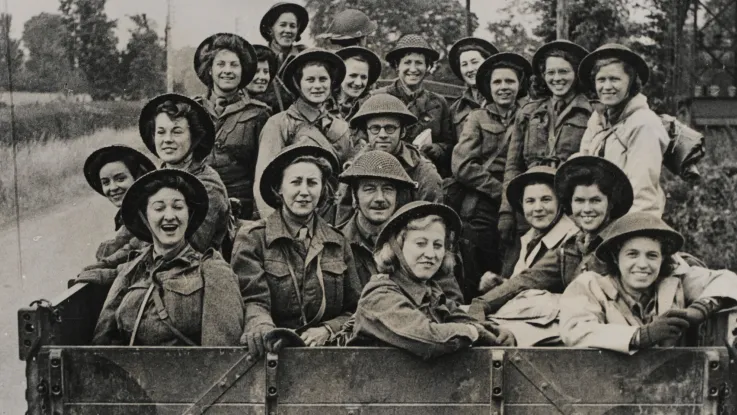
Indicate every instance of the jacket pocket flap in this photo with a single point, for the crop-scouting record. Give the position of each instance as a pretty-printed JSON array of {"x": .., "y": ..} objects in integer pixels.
[
  {"x": 276, "y": 268},
  {"x": 577, "y": 121},
  {"x": 185, "y": 285},
  {"x": 334, "y": 267},
  {"x": 493, "y": 128}
]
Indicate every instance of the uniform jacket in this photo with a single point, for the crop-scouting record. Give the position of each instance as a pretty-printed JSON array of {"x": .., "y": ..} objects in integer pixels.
[
  {"x": 236, "y": 146},
  {"x": 278, "y": 96},
  {"x": 462, "y": 107},
  {"x": 636, "y": 142},
  {"x": 262, "y": 254},
  {"x": 553, "y": 238},
  {"x": 594, "y": 312},
  {"x": 199, "y": 292},
  {"x": 433, "y": 113},
  {"x": 115, "y": 251},
  {"x": 300, "y": 121},
  {"x": 531, "y": 142},
  {"x": 217, "y": 225},
  {"x": 478, "y": 159},
  {"x": 403, "y": 312},
  {"x": 366, "y": 266}
]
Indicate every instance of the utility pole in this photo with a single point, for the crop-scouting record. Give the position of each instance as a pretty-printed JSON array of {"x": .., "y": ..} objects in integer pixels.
[
  {"x": 469, "y": 29},
  {"x": 169, "y": 50},
  {"x": 561, "y": 21}
]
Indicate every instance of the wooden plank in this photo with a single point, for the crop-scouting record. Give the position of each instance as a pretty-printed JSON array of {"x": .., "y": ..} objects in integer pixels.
[
  {"x": 160, "y": 409},
  {"x": 380, "y": 375},
  {"x": 667, "y": 376},
  {"x": 417, "y": 409},
  {"x": 606, "y": 410}
]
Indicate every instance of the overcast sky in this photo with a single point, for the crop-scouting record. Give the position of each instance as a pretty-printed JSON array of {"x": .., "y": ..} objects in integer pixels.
[{"x": 195, "y": 20}]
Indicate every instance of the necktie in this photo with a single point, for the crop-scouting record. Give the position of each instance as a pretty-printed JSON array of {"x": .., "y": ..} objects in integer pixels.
[
  {"x": 220, "y": 104},
  {"x": 302, "y": 237}
]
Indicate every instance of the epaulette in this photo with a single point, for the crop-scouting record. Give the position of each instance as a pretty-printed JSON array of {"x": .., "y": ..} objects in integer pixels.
[
  {"x": 249, "y": 226},
  {"x": 380, "y": 277}
]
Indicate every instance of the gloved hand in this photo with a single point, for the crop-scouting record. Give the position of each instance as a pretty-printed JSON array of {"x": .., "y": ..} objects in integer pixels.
[
  {"x": 490, "y": 280},
  {"x": 98, "y": 276},
  {"x": 669, "y": 326},
  {"x": 506, "y": 227},
  {"x": 503, "y": 336},
  {"x": 432, "y": 151},
  {"x": 699, "y": 311},
  {"x": 486, "y": 338},
  {"x": 257, "y": 342}
]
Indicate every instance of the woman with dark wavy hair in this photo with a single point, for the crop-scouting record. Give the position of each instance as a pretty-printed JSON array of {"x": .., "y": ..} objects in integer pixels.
[
  {"x": 547, "y": 130},
  {"x": 226, "y": 64},
  {"x": 180, "y": 132}
]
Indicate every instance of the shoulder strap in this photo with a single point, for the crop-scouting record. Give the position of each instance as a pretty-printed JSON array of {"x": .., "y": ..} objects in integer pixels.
[
  {"x": 164, "y": 317},
  {"x": 140, "y": 314}
]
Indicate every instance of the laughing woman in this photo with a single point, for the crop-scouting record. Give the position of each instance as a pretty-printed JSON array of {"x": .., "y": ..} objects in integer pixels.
[
  {"x": 363, "y": 69},
  {"x": 111, "y": 171},
  {"x": 170, "y": 294},
  {"x": 295, "y": 270},
  {"x": 412, "y": 58},
  {"x": 312, "y": 76},
  {"x": 180, "y": 132},
  {"x": 465, "y": 57}
]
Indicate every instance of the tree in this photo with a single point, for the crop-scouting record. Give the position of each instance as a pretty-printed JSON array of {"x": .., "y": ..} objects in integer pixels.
[
  {"x": 441, "y": 22},
  {"x": 91, "y": 45},
  {"x": 509, "y": 34},
  {"x": 9, "y": 47},
  {"x": 47, "y": 68},
  {"x": 143, "y": 63}
]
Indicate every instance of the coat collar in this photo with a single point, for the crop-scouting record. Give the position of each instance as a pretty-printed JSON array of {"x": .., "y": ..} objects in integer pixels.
[
  {"x": 467, "y": 100},
  {"x": 637, "y": 103},
  {"x": 413, "y": 288},
  {"x": 407, "y": 154},
  {"x": 557, "y": 234},
  {"x": 302, "y": 110},
  {"x": 666, "y": 291},
  {"x": 354, "y": 234},
  {"x": 277, "y": 229},
  {"x": 401, "y": 92}
]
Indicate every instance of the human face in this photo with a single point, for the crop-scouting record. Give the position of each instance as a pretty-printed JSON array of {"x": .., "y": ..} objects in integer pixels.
[
  {"x": 377, "y": 199},
  {"x": 469, "y": 62},
  {"x": 412, "y": 69},
  {"x": 589, "y": 208},
  {"x": 559, "y": 76},
  {"x": 301, "y": 187},
  {"x": 261, "y": 79},
  {"x": 115, "y": 179},
  {"x": 172, "y": 138},
  {"x": 383, "y": 140},
  {"x": 424, "y": 250},
  {"x": 315, "y": 84},
  {"x": 539, "y": 205},
  {"x": 639, "y": 262},
  {"x": 167, "y": 214},
  {"x": 226, "y": 71},
  {"x": 284, "y": 30},
  {"x": 356, "y": 78},
  {"x": 504, "y": 86},
  {"x": 612, "y": 84}
]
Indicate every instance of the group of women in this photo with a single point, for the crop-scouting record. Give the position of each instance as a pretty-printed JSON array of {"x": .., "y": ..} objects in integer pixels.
[{"x": 552, "y": 204}]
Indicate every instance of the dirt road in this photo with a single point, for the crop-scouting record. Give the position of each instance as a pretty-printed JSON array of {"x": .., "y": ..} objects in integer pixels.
[{"x": 54, "y": 246}]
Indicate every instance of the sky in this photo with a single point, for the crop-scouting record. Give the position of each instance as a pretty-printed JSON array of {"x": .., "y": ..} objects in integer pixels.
[{"x": 194, "y": 20}]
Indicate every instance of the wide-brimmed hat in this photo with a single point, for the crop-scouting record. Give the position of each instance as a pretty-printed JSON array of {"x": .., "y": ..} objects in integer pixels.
[
  {"x": 567, "y": 46},
  {"x": 383, "y": 104},
  {"x": 349, "y": 24},
  {"x": 411, "y": 43},
  {"x": 192, "y": 188},
  {"x": 271, "y": 58},
  {"x": 277, "y": 10},
  {"x": 638, "y": 224},
  {"x": 454, "y": 55},
  {"x": 273, "y": 172},
  {"x": 612, "y": 50},
  {"x": 334, "y": 62},
  {"x": 622, "y": 197},
  {"x": 199, "y": 150},
  {"x": 379, "y": 165},
  {"x": 483, "y": 75},
  {"x": 516, "y": 187},
  {"x": 373, "y": 60},
  {"x": 416, "y": 210},
  {"x": 245, "y": 52},
  {"x": 102, "y": 156}
]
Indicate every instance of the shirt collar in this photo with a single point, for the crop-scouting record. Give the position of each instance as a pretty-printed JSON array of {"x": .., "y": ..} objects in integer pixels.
[
  {"x": 563, "y": 229},
  {"x": 404, "y": 154},
  {"x": 303, "y": 110},
  {"x": 276, "y": 228},
  {"x": 294, "y": 226},
  {"x": 415, "y": 289},
  {"x": 356, "y": 235}
]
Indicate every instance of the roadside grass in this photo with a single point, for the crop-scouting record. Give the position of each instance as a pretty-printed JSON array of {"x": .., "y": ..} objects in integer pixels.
[{"x": 50, "y": 172}]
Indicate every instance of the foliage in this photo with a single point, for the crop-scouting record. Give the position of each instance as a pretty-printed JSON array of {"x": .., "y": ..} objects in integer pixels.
[
  {"x": 143, "y": 63},
  {"x": 91, "y": 45},
  {"x": 441, "y": 22},
  {"x": 508, "y": 34},
  {"x": 8, "y": 47}
]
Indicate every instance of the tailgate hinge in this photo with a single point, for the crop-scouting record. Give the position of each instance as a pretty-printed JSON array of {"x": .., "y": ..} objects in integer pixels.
[
  {"x": 561, "y": 401},
  {"x": 56, "y": 381},
  {"x": 272, "y": 387},
  {"x": 497, "y": 382}
]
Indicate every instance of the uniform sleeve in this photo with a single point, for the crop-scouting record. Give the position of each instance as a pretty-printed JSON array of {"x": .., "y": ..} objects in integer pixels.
[
  {"x": 251, "y": 133},
  {"x": 447, "y": 132},
  {"x": 544, "y": 275},
  {"x": 701, "y": 283},
  {"x": 430, "y": 187},
  {"x": 351, "y": 291},
  {"x": 387, "y": 315},
  {"x": 248, "y": 264},
  {"x": 271, "y": 142},
  {"x": 587, "y": 140},
  {"x": 515, "y": 165},
  {"x": 643, "y": 165},
  {"x": 106, "y": 330},
  {"x": 216, "y": 221},
  {"x": 467, "y": 162},
  {"x": 583, "y": 320}
]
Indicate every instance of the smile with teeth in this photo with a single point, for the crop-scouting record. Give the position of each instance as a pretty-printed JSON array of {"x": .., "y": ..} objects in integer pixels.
[{"x": 170, "y": 227}]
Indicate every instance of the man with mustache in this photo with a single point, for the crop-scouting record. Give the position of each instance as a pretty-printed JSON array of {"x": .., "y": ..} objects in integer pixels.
[{"x": 379, "y": 185}]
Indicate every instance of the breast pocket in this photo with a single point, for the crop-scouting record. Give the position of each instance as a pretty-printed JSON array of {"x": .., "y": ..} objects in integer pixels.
[
  {"x": 127, "y": 312},
  {"x": 182, "y": 298},
  {"x": 569, "y": 137},
  {"x": 333, "y": 274},
  {"x": 283, "y": 294},
  {"x": 493, "y": 136},
  {"x": 536, "y": 138}
]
